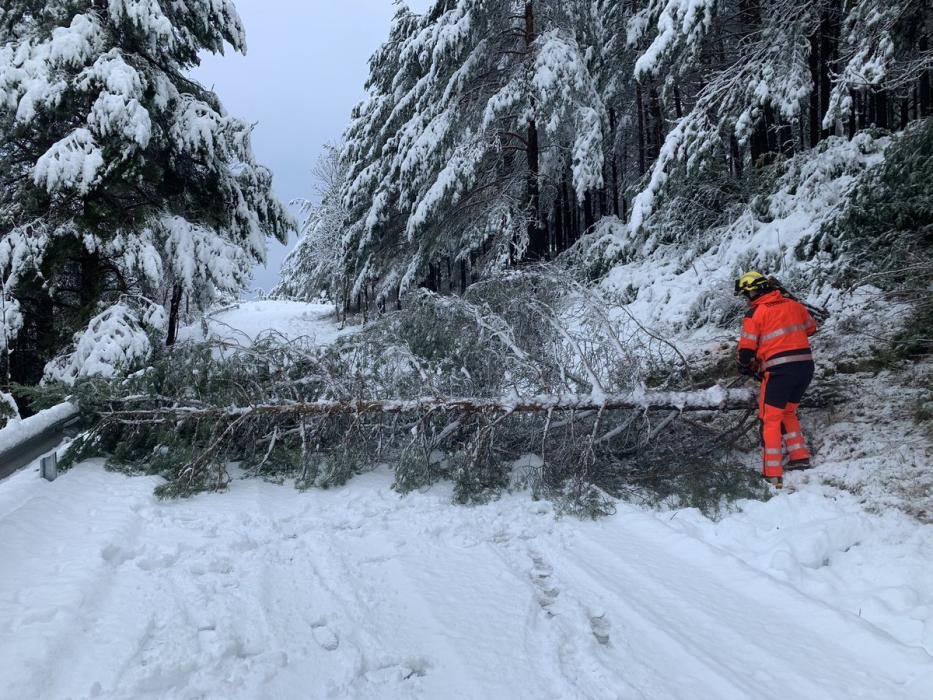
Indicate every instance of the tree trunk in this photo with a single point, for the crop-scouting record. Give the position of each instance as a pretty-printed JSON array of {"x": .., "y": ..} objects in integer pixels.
[
  {"x": 785, "y": 139},
  {"x": 738, "y": 166},
  {"x": 173, "y": 315},
  {"x": 829, "y": 41},
  {"x": 715, "y": 399},
  {"x": 559, "y": 243},
  {"x": 569, "y": 237},
  {"x": 816, "y": 114},
  {"x": 90, "y": 284},
  {"x": 758, "y": 143},
  {"x": 924, "y": 91},
  {"x": 658, "y": 127},
  {"x": 588, "y": 217},
  {"x": 615, "y": 162},
  {"x": 640, "y": 107},
  {"x": 537, "y": 241}
]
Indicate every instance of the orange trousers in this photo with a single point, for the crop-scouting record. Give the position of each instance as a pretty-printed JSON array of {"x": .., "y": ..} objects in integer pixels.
[{"x": 778, "y": 401}]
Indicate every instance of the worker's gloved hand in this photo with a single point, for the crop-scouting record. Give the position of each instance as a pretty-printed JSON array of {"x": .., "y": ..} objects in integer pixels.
[{"x": 750, "y": 370}]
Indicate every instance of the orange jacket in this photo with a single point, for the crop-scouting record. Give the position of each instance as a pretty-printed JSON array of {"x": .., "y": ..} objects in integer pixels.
[{"x": 775, "y": 330}]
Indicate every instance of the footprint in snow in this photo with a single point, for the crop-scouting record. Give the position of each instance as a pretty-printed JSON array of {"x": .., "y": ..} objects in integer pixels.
[
  {"x": 600, "y": 626},
  {"x": 117, "y": 555},
  {"x": 540, "y": 575},
  {"x": 416, "y": 667},
  {"x": 325, "y": 637}
]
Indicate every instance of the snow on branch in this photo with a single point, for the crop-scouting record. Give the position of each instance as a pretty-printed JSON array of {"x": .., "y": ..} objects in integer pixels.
[{"x": 713, "y": 399}]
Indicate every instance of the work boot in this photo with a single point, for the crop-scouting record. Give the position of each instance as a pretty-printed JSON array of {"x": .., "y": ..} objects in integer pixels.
[
  {"x": 776, "y": 481},
  {"x": 798, "y": 464}
]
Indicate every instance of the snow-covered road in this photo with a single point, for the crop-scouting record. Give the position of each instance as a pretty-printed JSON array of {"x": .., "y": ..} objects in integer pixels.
[{"x": 266, "y": 592}]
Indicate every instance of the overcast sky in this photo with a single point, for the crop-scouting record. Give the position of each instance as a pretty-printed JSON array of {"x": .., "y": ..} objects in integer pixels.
[{"x": 303, "y": 72}]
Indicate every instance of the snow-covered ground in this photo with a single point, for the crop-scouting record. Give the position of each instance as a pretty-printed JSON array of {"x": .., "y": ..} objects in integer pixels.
[
  {"x": 825, "y": 591},
  {"x": 267, "y": 592},
  {"x": 246, "y": 321}
]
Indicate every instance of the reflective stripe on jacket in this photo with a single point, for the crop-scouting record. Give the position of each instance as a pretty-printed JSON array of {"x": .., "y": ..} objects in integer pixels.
[{"x": 773, "y": 325}]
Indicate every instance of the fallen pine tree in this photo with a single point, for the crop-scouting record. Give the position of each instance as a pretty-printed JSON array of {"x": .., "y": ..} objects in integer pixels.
[
  {"x": 480, "y": 385},
  {"x": 712, "y": 399}
]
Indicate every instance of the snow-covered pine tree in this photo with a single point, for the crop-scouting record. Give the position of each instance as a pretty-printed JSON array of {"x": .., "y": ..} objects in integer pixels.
[
  {"x": 121, "y": 177},
  {"x": 756, "y": 80},
  {"x": 477, "y": 110},
  {"x": 309, "y": 272}
]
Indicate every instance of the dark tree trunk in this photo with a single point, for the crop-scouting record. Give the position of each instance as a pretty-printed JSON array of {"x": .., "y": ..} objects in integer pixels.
[
  {"x": 785, "y": 138},
  {"x": 640, "y": 107},
  {"x": 614, "y": 161},
  {"x": 559, "y": 241},
  {"x": 758, "y": 143},
  {"x": 603, "y": 201},
  {"x": 829, "y": 41},
  {"x": 738, "y": 167},
  {"x": 90, "y": 283},
  {"x": 568, "y": 215},
  {"x": 856, "y": 116},
  {"x": 658, "y": 126},
  {"x": 537, "y": 245},
  {"x": 537, "y": 237},
  {"x": 346, "y": 299},
  {"x": 588, "y": 217},
  {"x": 173, "y": 315},
  {"x": 924, "y": 91},
  {"x": 463, "y": 275},
  {"x": 816, "y": 113},
  {"x": 37, "y": 340}
]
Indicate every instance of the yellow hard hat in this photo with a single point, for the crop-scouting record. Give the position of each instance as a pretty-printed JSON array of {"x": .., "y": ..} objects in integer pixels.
[{"x": 751, "y": 282}]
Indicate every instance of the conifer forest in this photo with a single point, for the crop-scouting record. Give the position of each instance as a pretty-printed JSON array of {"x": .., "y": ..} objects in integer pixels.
[{"x": 532, "y": 326}]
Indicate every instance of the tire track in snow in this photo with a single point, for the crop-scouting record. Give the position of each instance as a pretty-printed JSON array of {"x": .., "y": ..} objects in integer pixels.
[
  {"x": 741, "y": 635},
  {"x": 73, "y": 572},
  {"x": 351, "y": 625},
  {"x": 357, "y": 593},
  {"x": 569, "y": 630}
]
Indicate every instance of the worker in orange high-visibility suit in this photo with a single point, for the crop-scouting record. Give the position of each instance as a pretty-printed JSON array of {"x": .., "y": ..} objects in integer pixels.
[{"x": 775, "y": 347}]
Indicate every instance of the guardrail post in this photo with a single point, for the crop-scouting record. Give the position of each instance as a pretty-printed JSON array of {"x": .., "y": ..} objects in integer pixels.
[{"x": 48, "y": 467}]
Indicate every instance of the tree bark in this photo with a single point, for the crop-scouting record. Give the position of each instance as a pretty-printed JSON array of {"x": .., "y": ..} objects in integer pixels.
[
  {"x": 816, "y": 115},
  {"x": 537, "y": 239},
  {"x": 658, "y": 127},
  {"x": 560, "y": 241},
  {"x": 615, "y": 162},
  {"x": 924, "y": 91},
  {"x": 569, "y": 213},
  {"x": 738, "y": 166},
  {"x": 173, "y": 315},
  {"x": 588, "y": 217},
  {"x": 640, "y": 107},
  {"x": 758, "y": 143},
  {"x": 714, "y": 399},
  {"x": 829, "y": 41}
]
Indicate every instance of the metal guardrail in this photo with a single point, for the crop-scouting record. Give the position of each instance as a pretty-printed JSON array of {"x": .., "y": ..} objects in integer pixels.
[{"x": 38, "y": 445}]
